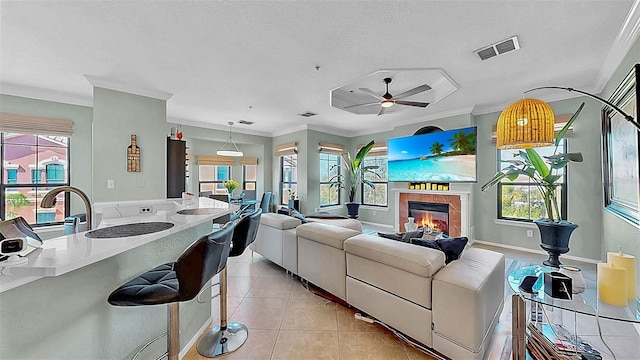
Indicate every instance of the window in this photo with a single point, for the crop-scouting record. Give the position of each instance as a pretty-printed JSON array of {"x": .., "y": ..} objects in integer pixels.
[
  {"x": 379, "y": 195},
  {"x": 211, "y": 178},
  {"x": 329, "y": 167},
  {"x": 520, "y": 199},
  {"x": 24, "y": 158},
  {"x": 249, "y": 177},
  {"x": 288, "y": 176}
]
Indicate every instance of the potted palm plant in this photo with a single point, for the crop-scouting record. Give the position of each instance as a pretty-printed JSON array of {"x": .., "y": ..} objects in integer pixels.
[
  {"x": 353, "y": 176},
  {"x": 543, "y": 171}
]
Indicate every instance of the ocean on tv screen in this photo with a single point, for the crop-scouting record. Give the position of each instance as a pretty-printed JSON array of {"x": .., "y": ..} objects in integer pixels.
[{"x": 447, "y": 156}]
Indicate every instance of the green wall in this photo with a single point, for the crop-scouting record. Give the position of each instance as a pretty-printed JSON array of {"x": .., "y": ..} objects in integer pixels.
[
  {"x": 584, "y": 190},
  {"x": 116, "y": 116},
  {"x": 616, "y": 231}
]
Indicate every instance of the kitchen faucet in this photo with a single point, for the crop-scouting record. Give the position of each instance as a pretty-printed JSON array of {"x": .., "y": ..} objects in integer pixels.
[{"x": 49, "y": 200}]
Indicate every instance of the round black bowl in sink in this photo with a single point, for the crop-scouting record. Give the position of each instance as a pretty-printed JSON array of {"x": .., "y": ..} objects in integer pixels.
[
  {"x": 199, "y": 211},
  {"x": 126, "y": 230}
]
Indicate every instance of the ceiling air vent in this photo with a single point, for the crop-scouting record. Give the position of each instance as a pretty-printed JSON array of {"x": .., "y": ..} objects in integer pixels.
[
  {"x": 499, "y": 48},
  {"x": 308, "y": 114},
  {"x": 245, "y": 122}
]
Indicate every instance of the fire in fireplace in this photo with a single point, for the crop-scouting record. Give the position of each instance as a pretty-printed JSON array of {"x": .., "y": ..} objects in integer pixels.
[{"x": 430, "y": 216}]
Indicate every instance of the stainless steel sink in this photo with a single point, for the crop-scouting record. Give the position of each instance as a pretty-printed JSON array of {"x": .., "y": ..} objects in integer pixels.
[
  {"x": 199, "y": 211},
  {"x": 127, "y": 230}
]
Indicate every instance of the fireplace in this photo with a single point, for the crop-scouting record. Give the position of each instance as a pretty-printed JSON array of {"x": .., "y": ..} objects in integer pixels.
[
  {"x": 457, "y": 203},
  {"x": 430, "y": 216}
]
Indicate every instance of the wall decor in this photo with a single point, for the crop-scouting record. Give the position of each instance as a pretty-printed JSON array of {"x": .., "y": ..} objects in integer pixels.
[
  {"x": 621, "y": 160},
  {"x": 133, "y": 156}
]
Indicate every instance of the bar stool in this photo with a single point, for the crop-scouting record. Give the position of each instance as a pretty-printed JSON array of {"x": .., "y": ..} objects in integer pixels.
[
  {"x": 228, "y": 337},
  {"x": 178, "y": 281}
]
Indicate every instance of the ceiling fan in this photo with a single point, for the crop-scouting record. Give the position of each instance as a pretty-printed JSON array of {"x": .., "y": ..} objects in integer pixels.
[{"x": 388, "y": 100}]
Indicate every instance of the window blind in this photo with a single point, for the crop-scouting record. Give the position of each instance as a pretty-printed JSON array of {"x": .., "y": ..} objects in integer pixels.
[
  {"x": 35, "y": 125},
  {"x": 331, "y": 148},
  {"x": 378, "y": 149},
  {"x": 215, "y": 160},
  {"x": 248, "y": 161},
  {"x": 286, "y": 149}
]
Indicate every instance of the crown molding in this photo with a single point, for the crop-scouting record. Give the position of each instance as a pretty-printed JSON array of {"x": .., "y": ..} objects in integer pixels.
[
  {"x": 112, "y": 84},
  {"x": 45, "y": 94},
  {"x": 629, "y": 33}
]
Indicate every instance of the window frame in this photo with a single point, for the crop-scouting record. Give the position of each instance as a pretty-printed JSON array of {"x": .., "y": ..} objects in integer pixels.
[
  {"x": 563, "y": 146},
  {"x": 386, "y": 182},
  {"x": 34, "y": 186},
  {"x": 287, "y": 184},
  {"x": 245, "y": 181},
  {"x": 338, "y": 165},
  {"x": 230, "y": 168}
]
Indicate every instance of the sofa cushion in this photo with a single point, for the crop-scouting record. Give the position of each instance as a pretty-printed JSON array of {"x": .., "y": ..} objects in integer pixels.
[
  {"x": 352, "y": 224},
  {"x": 417, "y": 260},
  {"x": 279, "y": 221},
  {"x": 325, "y": 234}
]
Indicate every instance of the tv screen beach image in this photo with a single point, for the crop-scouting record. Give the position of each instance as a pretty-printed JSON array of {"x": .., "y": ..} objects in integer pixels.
[{"x": 446, "y": 156}]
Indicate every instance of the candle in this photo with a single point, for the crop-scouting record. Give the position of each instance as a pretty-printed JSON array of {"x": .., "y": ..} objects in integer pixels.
[
  {"x": 612, "y": 284},
  {"x": 628, "y": 262}
]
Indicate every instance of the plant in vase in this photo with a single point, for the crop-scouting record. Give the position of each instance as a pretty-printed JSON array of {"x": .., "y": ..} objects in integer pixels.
[
  {"x": 543, "y": 171},
  {"x": 230, "y": 185},
  {"x": 353, "y": 177}
]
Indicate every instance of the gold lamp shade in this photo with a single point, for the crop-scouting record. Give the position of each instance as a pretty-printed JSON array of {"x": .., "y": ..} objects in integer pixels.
[{"x": 527, "y": 123}]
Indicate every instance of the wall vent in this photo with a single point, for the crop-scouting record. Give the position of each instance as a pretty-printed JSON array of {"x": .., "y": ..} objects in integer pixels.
[
  {"x": 498, "y": 48},
  {"x": 245, "y": 122},
  {"x": 307, "y": 114}
]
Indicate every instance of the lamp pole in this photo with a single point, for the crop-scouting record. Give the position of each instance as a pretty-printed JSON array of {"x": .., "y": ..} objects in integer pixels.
[{"x": 606, "y": 102}]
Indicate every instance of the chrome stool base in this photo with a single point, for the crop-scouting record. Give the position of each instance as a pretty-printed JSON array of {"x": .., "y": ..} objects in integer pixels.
[{"x": 220, "y": 342}]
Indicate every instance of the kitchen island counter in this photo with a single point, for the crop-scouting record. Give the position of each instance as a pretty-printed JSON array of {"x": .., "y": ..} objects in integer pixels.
[{"x": 60, "y": 310}]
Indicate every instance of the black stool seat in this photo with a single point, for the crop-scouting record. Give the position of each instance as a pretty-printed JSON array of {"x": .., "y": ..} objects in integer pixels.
[
  {"x": 178, "y": 281},
  {"x": 157, "y": 286}
]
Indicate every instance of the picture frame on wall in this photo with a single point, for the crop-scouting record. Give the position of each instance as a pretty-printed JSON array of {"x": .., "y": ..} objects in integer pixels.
[{"x": 621, "y": 158}]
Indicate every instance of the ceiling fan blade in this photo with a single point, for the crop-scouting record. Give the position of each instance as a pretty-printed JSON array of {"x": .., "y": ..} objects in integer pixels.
[
  {"x": 381, "y": 111},
  {"x": 360, "y": 105},
  {"x": 414, "y": 91},
  {"x": 372, "y": 93},
  {"x": 412, "y": 103}
]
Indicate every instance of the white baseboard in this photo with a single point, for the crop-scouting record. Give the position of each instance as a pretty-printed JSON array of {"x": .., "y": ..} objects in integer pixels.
[
  {"x": 195, "y": 338},
  {"x": 533, "y": 251}
]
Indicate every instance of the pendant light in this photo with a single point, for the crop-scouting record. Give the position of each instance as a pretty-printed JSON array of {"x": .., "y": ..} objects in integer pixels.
[{"x": 233, "y": 148}]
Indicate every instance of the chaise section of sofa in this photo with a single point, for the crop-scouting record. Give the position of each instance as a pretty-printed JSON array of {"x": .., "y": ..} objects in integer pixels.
[
  {"x": 321, "y": 258},
  {"x": 276, "y": 240}
]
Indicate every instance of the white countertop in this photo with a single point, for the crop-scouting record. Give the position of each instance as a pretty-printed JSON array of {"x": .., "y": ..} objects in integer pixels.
[{"x": 71, "y": 252}]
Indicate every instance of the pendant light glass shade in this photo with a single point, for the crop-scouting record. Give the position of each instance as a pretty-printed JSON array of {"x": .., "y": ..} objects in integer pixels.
[
  {"x": 232, "y": 147},
  {"x": 527, "y": 123}
]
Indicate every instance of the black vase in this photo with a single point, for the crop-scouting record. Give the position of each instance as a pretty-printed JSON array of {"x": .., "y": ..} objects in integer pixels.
[
  {"x": 352, "y": 209},
  {"x": 555, "y": 239}
]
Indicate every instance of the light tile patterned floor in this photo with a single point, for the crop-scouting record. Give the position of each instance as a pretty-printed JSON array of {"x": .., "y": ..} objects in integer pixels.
[{"x": 286, "y": 321}]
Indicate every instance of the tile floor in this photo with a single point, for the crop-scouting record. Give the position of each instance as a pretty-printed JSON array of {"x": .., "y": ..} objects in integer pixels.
[{"x": 286, "y": 321}]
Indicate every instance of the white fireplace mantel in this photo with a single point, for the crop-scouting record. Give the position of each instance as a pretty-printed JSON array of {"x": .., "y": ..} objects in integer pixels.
[{"x": 464, "y": 205}]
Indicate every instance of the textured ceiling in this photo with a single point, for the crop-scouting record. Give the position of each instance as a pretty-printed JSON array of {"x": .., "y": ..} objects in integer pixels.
[{"x": 256, "y": 60}]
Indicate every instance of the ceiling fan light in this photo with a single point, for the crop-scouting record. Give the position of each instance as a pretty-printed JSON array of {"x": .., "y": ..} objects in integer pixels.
[{"x": 386, "y": 103}]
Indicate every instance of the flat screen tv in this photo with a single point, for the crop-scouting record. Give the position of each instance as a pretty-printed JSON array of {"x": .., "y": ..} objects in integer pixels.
[{"x": 445, "y": 156}]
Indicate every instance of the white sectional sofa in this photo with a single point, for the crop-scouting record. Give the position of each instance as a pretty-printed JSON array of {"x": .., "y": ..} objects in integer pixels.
[{"x": 451, "y": 308}]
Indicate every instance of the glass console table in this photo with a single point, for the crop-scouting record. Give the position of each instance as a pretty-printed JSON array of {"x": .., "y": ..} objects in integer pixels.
[{"x": 585, "y": 303}]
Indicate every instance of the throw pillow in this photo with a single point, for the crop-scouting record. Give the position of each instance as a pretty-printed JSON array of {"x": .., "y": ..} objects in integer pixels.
[
  {"x": 296, "y": 214},
  {"x": 452, "y": 247},
  {"x": 402, "y": 236}
]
